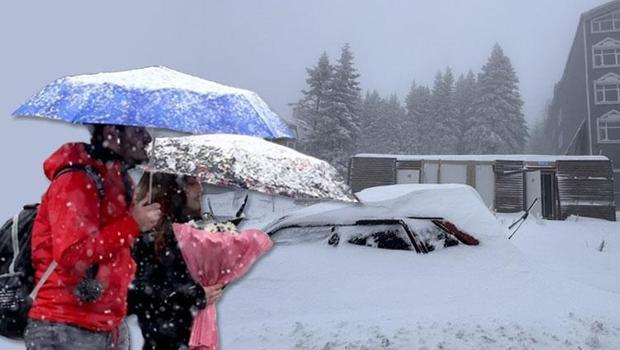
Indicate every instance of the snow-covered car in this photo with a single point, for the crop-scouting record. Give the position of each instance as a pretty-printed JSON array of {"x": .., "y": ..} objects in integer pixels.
[
  {"x": 406, "y": 217},
  {"x": 420, "y": 234}
]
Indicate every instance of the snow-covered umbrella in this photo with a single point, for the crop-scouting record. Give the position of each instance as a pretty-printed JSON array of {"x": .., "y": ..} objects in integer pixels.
[
  {"x": 156, "y": 97},
  {"x": 251, "y": 163}
]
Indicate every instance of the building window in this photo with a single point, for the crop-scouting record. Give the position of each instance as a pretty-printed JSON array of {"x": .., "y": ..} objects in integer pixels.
[
  {"x": 607, "y": 23},
  {"x": 607, "y": 89},
  {"x": 607, "y": 93},
  {"x": 606, "y": 53},
  {"x": 609, "y": 127}
]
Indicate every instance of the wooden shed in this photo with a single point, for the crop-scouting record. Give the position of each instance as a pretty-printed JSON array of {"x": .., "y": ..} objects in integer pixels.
[{"x": 564, "y": 185}]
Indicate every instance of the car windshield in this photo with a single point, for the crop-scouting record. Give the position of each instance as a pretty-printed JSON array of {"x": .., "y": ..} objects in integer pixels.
[
  {"x": 432, "y": 236},
  {"x": 389, "y": 236},
  {"x": 379, "y": 236},
  {"x": 427, "y": 235}
]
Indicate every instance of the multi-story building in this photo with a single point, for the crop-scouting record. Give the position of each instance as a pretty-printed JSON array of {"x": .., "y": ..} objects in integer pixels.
[{"x": 584, "y": 116}]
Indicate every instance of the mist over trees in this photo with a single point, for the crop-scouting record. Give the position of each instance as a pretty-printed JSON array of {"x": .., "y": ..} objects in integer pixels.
[
  {"x": 540, "y": 141},
  {"x": 472, "y": 114}
]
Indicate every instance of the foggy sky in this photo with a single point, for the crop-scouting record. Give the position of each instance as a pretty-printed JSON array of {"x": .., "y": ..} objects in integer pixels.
[{"x": 264, "y": 46}]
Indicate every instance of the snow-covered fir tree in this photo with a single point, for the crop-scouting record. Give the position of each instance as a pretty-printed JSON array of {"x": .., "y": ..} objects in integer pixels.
[
  {"x": 339, "y": 128},
  {"x": 419, "y": 116},
  {"x": 312, "y": 107},
  {"x": 371, "y": 123},
  {"x": 383, "y": 123},
  {"x": 497, "y": 122},
  {"x": 395, "y": 123},
  {"x": 444, "y": 134},
  {"x": 464, "y": 96}
]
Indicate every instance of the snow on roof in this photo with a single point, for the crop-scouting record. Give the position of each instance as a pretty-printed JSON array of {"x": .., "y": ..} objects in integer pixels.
[{"x": 482, "y": 157}]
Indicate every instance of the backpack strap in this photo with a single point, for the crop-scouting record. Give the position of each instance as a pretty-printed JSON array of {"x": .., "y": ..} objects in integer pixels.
[
  {"x": 43, "y": 279},
  {"x": 15, "y": 241},
  {"x": 96, "y": 177},
  {"x": 90, "y": 171}
]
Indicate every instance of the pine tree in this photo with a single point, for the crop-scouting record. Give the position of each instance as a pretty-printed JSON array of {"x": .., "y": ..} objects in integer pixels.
[
  {"x": 419, "y": 119},
  {"x": 394, "y": 121},
  {"x": 311, "y": 109},
  {"x": 497, "y": 122},
  {"x": 464, "y": 96},
  {"x": 339, "y": 129},
  {"x": 383, "y": 125},
  {"x": 371, "y": 123},
  {"x": 444, "y": 134}
]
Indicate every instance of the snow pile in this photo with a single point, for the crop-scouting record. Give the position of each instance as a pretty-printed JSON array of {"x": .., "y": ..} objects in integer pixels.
[
  {"x": 495, "y": 296},
  {"x": 459, "y": 204},
  {"x": 314, "y": 296},
  {"x": 581, "y": 249}
]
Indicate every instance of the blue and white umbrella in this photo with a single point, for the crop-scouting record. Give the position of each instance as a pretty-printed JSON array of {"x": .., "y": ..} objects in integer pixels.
[{"x": 156, "y": 97}]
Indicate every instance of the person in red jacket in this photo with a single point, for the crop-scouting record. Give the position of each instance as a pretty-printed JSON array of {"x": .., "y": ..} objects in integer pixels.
[{"x": 79, "y": 229}]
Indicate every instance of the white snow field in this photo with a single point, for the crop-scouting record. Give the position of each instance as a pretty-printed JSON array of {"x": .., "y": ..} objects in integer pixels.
[{"x": 550, "y": 287}]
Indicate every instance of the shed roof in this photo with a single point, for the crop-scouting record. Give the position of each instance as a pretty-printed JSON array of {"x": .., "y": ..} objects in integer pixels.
[{"x": 482, "y": 157}]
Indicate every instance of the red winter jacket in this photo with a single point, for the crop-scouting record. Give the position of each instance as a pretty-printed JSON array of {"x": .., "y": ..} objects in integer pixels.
[{"x": 76, "y": 228}]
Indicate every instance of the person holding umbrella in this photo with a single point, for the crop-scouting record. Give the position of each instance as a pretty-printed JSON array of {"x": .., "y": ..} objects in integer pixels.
[
  {"x": 88, "y": 237},
  {"x": 78, "y": 232},
  {"x": 163, "y": 294}
]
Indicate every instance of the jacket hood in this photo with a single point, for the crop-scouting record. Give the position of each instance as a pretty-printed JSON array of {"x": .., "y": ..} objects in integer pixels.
[{"x": 70, "y": 154}]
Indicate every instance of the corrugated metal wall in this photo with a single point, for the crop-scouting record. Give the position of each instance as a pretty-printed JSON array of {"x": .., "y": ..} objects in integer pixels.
[
  {"x": 369, "y": 172},
  {"x": 509, "y": 186},
  {"x": 586, "y": 188},
  {"x": 409, "y": 164}
]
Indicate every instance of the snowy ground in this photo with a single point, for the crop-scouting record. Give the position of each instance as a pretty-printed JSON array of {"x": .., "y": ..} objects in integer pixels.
[{"x": 548, "y": 288}]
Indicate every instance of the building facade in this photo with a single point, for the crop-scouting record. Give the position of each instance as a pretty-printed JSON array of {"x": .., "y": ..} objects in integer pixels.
[
  {"x": 584, "y": 115},
  {"x": 554, "y": 187}
]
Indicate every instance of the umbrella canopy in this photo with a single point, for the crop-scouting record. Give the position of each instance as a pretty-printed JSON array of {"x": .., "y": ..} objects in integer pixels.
[
  {"x": 156, "y": 97},
  {"x": 251, "y": 163}
]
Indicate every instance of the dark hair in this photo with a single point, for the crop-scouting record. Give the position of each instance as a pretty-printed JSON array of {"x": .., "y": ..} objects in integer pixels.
[
  {"x": 168, "y": 191},
  {"x": 96, "y": 132}
]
